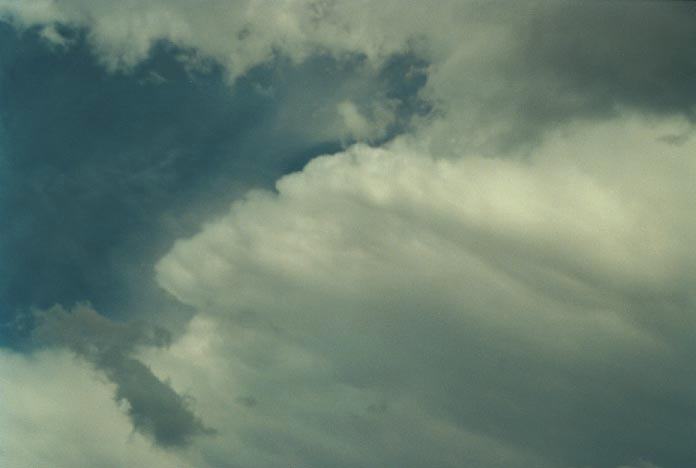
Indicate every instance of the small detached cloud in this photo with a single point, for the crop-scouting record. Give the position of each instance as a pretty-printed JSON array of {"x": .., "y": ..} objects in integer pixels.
[
  {"x": 359, "y": 127},
  {"x": 53, "y": 35}
]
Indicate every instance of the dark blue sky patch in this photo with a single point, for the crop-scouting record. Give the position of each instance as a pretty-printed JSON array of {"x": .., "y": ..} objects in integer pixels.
[{"x": 101, "y": 172}]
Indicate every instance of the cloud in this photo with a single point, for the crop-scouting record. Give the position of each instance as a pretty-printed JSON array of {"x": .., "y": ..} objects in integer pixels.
[
  {"x": 87, "y": 333},
  {"x": 507, "y": 283},
  {"x": 239, "y": 34},
  {"x": 154, "y": 407},
  {"x": 506, "y": 72},
  {"x": 361, "y": 128},
  {"x": 57, "y": 411},
  {"x": 490, "y": 306},
  {"x": 51, "y": 34},
  {"x": 125, "y": 164}
]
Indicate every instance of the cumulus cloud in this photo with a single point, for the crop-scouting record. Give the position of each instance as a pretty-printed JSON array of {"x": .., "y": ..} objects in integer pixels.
[
  {"x": 153, "y": 406},
  {"x": 514, "y": 301},
  {"x": 508, "y": 283}
]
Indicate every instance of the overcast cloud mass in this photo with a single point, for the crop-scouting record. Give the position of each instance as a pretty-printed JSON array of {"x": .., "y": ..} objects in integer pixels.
[{"x": 347, "y": 233}]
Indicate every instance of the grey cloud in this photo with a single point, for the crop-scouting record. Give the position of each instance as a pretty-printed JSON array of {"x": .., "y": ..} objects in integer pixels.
[
  {"x": 411, "y": 306},
  {"x": 101, "y": 172},
  {"x": 548, "y": 63},
  {"x": 153, "y": 406},
  {"x": 592, "y": 58},
  {"x": 248, "y": 401},
  {"x": 565, "y": 61},
  {"x": 90, "y": 334},
  {"x": 496, "y": 334}
]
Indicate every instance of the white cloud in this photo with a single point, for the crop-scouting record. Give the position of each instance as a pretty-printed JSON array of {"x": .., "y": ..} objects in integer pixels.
[
  {"x": 579, "y": 205},
  {"x": 56, "y": 411},
  {"x": 453, "y": 294},
  {"x": 355, "y": 122}
]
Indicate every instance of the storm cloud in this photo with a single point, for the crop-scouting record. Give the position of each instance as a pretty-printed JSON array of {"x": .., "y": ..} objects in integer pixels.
[
  {"x": 391, "y": 276},
  {"x": 101, "y": 172},
  {"x": 453, "y": 233}
]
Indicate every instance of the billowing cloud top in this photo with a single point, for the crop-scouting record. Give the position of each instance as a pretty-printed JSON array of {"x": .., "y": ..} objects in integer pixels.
[{"x": 477, "y": 250}]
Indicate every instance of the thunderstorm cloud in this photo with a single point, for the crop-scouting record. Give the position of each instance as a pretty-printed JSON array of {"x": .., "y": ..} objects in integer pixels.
[{"x": 343, "y": 233}]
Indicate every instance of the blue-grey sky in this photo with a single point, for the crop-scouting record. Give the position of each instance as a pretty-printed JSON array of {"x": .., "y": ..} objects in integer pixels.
[
  {"x": 103, "y": 171},
  {"x": 332, "y": 233}
]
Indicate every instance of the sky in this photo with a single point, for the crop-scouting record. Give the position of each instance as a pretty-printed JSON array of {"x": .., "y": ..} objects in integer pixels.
[{"x": 347, "y": 233}]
